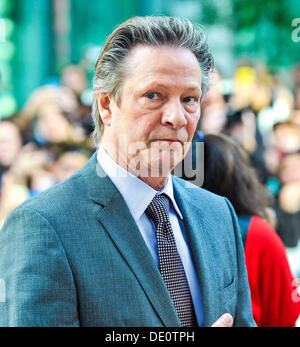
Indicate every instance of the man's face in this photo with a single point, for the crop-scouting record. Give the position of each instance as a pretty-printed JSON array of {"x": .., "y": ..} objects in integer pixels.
[{"x": 155, "y": 119}]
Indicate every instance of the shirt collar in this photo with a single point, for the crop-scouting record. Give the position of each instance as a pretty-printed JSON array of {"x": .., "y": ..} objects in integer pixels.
[{"x": 127, "y": 183}]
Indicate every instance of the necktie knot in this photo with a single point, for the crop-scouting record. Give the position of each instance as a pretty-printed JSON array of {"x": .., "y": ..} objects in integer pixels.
[{"x": 158, "y": 209}]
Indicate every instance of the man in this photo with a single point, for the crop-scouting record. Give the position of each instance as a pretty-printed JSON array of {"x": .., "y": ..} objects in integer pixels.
[{"x": 122, "y": 242}]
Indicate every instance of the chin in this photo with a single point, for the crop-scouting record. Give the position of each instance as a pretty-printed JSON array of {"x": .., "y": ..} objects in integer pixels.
[
  {"x": 163, "y": 166},
  {"x": 155, "y": 164}
]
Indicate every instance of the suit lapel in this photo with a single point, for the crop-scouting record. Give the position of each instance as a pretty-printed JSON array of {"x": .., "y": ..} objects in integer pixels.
[
  {"x": 199, "y": 243},
  {"x": 118, "y": 222}
]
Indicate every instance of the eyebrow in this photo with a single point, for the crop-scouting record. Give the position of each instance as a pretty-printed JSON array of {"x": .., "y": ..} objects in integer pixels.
[{"x": 154, "y": 84}]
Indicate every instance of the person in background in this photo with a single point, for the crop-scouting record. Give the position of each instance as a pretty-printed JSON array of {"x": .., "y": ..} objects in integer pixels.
[
  {"x": 242, "y": 127},
  {"x": 288, "y": 200},
  {"x": 287, "y": 208},
  {"x": 29, "y": 174},
  {"x": 227, "y": 172},
  {"x": 10, "y": 143},
  {"x": 68, "y": 163}
]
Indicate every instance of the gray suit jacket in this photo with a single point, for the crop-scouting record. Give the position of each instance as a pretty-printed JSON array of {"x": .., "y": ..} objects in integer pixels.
[{"x": 73, "y": 256}]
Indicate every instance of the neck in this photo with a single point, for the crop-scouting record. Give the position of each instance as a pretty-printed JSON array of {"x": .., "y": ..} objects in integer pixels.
[{"x": 157, "y": 183}]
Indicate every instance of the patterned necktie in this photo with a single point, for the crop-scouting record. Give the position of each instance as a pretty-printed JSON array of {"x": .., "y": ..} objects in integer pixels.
[{"x": 170, "y": 265}]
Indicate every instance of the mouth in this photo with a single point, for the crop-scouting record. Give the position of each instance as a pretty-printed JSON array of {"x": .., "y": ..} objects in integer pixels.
[{"x": 170, "y": 141}]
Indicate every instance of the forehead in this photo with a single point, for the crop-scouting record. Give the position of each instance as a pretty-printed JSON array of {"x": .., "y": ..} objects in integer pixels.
[{"x": 164, "y": 64}]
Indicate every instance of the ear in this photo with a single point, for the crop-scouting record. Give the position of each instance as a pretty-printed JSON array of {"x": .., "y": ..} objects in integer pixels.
[{"x": 104, "y": 106}]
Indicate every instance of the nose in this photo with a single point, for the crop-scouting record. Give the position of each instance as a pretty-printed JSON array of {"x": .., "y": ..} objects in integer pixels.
[{"x": 173, "y": 114}]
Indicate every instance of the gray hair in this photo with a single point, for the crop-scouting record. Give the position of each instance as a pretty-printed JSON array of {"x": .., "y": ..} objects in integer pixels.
[{"x": 110, "y": 68}]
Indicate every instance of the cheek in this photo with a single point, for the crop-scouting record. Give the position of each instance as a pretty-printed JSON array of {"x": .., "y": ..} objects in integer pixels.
[
  {"x": 191, "y": 126},
  {"x": 149, "y": 124}
]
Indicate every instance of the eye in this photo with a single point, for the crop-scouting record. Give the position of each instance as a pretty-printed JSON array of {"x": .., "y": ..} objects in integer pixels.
[
  {"x": 190, "y": 99},
  {"x": 152, "y": 96}
]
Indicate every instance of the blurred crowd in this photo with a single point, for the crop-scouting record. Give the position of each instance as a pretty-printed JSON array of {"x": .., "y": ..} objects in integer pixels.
[
  {"x": 261, "y": 112},
  {"x": 49, "y": 139}
]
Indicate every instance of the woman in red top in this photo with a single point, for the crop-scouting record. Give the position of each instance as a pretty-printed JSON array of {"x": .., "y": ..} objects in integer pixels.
[{"x": 227, "y": 172}]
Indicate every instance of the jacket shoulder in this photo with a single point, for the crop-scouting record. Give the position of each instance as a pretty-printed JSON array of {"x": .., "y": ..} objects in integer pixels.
[{"x": 196, "y": 193}]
